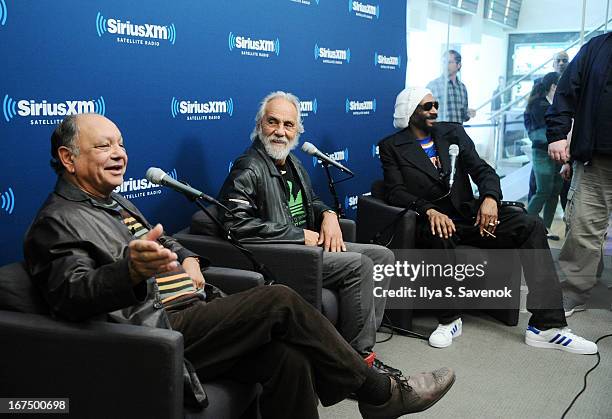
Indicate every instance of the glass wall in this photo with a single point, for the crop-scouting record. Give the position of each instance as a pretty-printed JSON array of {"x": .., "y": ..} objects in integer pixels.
[{"x": 504, "y": 46}]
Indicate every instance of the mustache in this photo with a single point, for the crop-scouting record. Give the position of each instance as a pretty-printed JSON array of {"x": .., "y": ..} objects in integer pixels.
[
  {"x": 432, "y": 117},
  {"x": 283, "y": 140}
]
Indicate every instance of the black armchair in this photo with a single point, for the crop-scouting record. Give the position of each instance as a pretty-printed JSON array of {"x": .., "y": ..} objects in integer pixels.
[
  {"x": 375, "y": 218},
  {"x": 106, "y": 369},
  {"x": 296, "y": 266}
]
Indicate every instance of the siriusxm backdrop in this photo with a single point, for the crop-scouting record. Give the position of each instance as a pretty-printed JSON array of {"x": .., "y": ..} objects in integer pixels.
[{"x": 182, "y": 80}]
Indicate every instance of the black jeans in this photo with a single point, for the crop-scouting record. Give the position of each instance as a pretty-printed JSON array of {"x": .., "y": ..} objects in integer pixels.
[
  {"x": 270, "y": 335},
  {"x": 516, "y": 230}
]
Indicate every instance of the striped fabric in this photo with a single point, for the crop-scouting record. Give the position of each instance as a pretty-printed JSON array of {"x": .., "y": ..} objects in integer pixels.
[{"x": 175, "y": 287}]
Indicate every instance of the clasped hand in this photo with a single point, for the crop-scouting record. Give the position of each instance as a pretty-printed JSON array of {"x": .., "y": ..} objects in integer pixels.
[{"x": 330, "y": 236}]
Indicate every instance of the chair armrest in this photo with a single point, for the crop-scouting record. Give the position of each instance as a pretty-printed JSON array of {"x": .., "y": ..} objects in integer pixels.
[
  {"x": 295, "y": 265},
  {"x": 106, "y": 369},
  {"x": 349, "y": 229},
  {"x": 374, "y": 216},
  {"x": 231, "y": 280}
]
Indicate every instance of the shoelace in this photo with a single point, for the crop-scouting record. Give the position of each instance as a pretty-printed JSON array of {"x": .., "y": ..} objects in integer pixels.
[
  {"x": 403, "y": 383},
  {"x": 444, "y": 328},
  {"x": 394, "y": 372}
]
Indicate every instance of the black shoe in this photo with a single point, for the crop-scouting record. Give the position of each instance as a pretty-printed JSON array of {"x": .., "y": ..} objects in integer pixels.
[
  {"x": 383, "y": 368},
  {"x": 409, "y": 395}
]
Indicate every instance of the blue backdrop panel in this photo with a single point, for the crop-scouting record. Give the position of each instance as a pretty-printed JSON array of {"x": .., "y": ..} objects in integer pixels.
[{"x": 183, "y": 81}]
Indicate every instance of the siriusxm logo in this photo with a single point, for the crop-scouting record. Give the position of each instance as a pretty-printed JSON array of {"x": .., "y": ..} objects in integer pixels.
[
  {"x": 342, "y": 155},
  {"x": 198, "y": 111},
  {"x": 375, "y": 151},
  {"x": 357, "y": 107},
  {"x": 365, "y": 10},
  {"x": 4, "y": 13},
  {"x": 31, "y": 108},
  {"x": 387, "y": 62},
  {"x": 147, "y": 31},
  {"x": 138, "y": 188},
  {"x": 254, "y": 47},
  {"x": 351, "y": 201},
  {"x": 308, "y": 106},
  {"x": 332, "y": 56},
  {"x": 8, "y": 201}
]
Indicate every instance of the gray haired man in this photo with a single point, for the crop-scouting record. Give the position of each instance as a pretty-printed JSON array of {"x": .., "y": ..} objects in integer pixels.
[{"x": 272, "y": 199}]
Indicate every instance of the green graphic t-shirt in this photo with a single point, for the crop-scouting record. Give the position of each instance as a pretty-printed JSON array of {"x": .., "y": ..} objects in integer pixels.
[{"x": 295, "y": 201}]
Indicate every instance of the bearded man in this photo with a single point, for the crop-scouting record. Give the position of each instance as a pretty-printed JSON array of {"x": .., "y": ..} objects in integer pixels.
[{"x": 271, "y": 197}]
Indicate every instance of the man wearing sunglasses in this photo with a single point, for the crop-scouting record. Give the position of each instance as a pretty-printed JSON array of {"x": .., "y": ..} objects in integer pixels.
[{"x": 417, "y": 172}]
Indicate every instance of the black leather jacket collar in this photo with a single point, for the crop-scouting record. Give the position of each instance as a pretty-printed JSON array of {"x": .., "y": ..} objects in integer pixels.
[{"x": 257, "y": 195}]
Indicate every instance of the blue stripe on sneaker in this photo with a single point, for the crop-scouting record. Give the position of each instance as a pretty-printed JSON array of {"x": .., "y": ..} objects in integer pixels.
[
  {"x": 567, "y": 343},
  {"x": 561, "y": 340},
  {"x": 555, "y": 338},
  {"x": 533, "y": 330}
]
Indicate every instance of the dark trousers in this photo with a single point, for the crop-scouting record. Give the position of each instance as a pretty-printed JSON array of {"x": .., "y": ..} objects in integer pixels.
[
  {"x": 516, "y": 230},
  {"x": 270, "y": 335},
  {"x": 533, "y": 187},
  {"x": 563, "y": 194}
]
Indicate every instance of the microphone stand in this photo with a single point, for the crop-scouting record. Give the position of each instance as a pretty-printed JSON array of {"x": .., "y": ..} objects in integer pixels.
[
  {"x": 332, "y": 188},
  {"x": 269, "y": 278}
]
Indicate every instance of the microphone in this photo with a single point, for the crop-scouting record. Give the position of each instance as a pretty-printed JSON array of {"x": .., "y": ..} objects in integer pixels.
[
  {"x": 453, "y": 152},
  {"x": 309, "y": 148},
  {"x": 159, "y": 177}
]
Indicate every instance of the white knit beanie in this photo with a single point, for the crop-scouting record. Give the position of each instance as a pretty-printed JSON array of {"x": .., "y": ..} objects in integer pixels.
[{"x": 405, "y": 104}]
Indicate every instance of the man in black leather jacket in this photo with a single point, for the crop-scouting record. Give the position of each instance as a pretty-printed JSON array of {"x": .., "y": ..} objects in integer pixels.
[
  {"x": 272, "y": 200},
  {"x": 417, "y": 172},
  {"x": 93, "y": 254}
]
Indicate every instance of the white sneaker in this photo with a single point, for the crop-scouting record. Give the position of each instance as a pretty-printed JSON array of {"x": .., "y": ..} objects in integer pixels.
[
  {"x": 559, "y": 338},
  {"x": 444, "y": 334}
]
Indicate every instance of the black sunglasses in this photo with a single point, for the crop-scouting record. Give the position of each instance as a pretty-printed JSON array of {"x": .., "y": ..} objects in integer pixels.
[{"x": 428, "y": 105}]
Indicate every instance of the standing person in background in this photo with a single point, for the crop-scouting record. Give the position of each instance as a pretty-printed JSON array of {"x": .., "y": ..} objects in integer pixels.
[
  {"x": 455, "y": 108},
  {"x": 559, "y": 63},
  {"x": 584, "y": 95},
  {"x": 496, "y": 102},
  {"x": 548, "y": 181}
]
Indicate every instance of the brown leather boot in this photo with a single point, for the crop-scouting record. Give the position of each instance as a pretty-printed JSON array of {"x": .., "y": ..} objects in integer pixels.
[{"x": 413, "y": 394}]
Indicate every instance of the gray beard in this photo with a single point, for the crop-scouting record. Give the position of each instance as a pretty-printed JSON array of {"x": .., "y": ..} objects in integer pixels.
[{"x": 277, "y": 152}]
